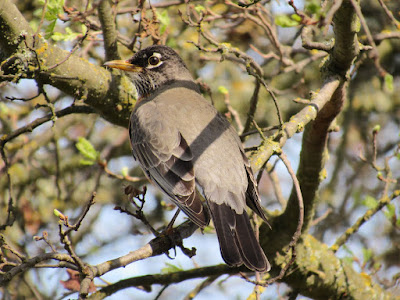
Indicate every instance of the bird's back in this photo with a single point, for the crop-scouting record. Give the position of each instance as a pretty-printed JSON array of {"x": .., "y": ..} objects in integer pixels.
[{"x": 217, "y": 152}]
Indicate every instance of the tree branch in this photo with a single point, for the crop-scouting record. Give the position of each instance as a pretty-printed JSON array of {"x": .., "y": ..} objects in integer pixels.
[
  {"x": 110, "y": 33},
  {"x": 296, "y": 124},
  {"x": 155, "y": 247},
  {"x": 163, "y": 279},
  {"x": 329, "y": 276},
  {"x": 74, "y": 109},
  {"x": 26, "y": 265},
  {"x": 75, "y": 77}
]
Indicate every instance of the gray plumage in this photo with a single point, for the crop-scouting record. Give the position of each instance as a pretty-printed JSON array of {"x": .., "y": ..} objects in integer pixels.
[{"x": 182, "y": 142}]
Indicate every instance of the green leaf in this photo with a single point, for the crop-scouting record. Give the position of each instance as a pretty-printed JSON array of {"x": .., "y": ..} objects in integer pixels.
[
  {"x": 388, "y": 82},
  {"x": 391, "y": 211},
  {"x": 54, "y": 8},
  {"x": 223, "y": 90},
  {"x": 50, "y": 29},
  {"x": 370, "y": 202},
  {"x": 285, "y": 21},
  {"x": 312, "y": 7},
  {"x": 347, "y": 249},
  {"x": 4, "y": 109},
  {"x": 377, "y": 266},
  {"x": 296, "y": 18},
  {"x": 164, "y": 21},
  {"x": 200, "y": 9},
  {"x": 208, "y": 229},
  {"x": 124, "y": 171},
  {"x": 57, "y": 213},
  {"x": 86, "y": 162},
  {"x": 348, "y": 259},
  {"x": 69, "y": 35},
  {"x": 376, "y": 128},
  {"x": 367, "y": 253},
  {"x": 83, "y": 28},
  {"x": 87, "y": 150},
  {"x": 56, "y": 36},
  {"x": 170, "y": 268}
]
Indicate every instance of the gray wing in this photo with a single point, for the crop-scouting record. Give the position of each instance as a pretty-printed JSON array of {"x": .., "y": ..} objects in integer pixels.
[{"x": 166, "y": 158}]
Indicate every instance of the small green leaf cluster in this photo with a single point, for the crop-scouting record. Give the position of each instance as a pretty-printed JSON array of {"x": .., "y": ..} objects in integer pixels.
[
  {"x": 288, "y": 21},
  {"x": 53, "y": 9},
  {"x": 164, "y": 21},
  {"x": 88, "y": 151}
]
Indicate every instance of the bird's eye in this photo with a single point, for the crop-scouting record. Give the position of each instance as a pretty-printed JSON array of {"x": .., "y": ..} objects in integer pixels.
[{"x": 154, "y": 60}]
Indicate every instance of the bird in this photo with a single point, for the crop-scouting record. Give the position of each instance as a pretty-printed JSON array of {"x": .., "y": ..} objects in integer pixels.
[{"x": 192, "y": 153}]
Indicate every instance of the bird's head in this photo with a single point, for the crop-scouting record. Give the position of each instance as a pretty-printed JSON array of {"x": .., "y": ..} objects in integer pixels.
[{"x": 152, "y": 68}]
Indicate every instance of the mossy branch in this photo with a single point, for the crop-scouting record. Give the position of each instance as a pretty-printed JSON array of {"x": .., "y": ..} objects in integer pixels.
[{"x": 28, "y": 56}]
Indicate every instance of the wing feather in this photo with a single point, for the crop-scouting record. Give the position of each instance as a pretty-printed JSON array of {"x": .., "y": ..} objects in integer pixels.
[{"x": 167, "y": 160}]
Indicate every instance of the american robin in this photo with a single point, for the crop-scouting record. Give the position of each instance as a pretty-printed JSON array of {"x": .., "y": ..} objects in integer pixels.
[{"x": 186, "y": 147}]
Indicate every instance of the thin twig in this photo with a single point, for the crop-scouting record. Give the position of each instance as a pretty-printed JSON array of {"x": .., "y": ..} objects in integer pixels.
[
  {"x": 44, "y": 9},
  {"x": 133, "y": 193},
  {"x": 73, "y": 109},
  {"x": 11, "y": 213},
  {"x": 296, "y": 184},
  {"x": 233, "y": 112},
  {"x": 32, "y": 262},
  {"x": 389, "y": 14},
  {"x": 259, "y": 130},
  {"x": 78, "y": 223},
  {"x": 86, "y": 272},
  {"x": 374, "y": 51},
  {"x": 322, "y": 217},
  {"x": 309, "y": 44},
  {"x": 360, "y": 221},
  {"x": 274, "y": 99},
  {"x": 251, "y": 66},
  {"x": 205, "y": 283},
  {"x": 254, "y": 131},
  {"x": 76, "y": 47},
  {"x": 329, "y": 15},
  {"x": 161, "y": 291},
  {"x": 277, "y": 187},
  {"x": 45, "y": 238},
  {"x": 22, "y": 99},
  {"x": 104, "y": 165},
  {"x": 252, "y": 108}
]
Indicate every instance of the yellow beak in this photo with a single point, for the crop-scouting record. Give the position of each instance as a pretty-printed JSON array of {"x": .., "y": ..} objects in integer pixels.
[{"x": 122, "y": 65}]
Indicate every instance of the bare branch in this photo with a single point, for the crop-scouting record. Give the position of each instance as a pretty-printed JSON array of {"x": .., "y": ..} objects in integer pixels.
[
  {"x": 109, "y": 31},
  {"x": 74, "y": 109},
  {"x": 364, "y": 218}
]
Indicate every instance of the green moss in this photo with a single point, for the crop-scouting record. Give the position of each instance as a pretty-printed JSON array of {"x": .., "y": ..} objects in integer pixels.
[{"x": 127, "y": 87}]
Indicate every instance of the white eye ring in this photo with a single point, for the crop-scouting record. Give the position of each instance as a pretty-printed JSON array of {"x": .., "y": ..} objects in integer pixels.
[{"x": 154, "y": 61}]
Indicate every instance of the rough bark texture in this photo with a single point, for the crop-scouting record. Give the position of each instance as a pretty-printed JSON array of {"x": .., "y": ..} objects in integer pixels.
[{"x": 112, "y": 96}]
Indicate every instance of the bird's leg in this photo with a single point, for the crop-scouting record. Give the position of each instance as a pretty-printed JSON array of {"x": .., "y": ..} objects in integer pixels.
[
  {"x": 170, "y": 226},
  {"x": 177, "y": 242},
  {"x": 169, "y": 231}
]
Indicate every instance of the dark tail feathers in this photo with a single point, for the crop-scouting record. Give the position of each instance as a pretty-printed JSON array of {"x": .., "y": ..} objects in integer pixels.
[{"x": 236, "y": 238}]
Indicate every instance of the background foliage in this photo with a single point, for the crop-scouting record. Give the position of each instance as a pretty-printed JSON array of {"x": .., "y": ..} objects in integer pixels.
[{"x": 67, "y": 178}]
